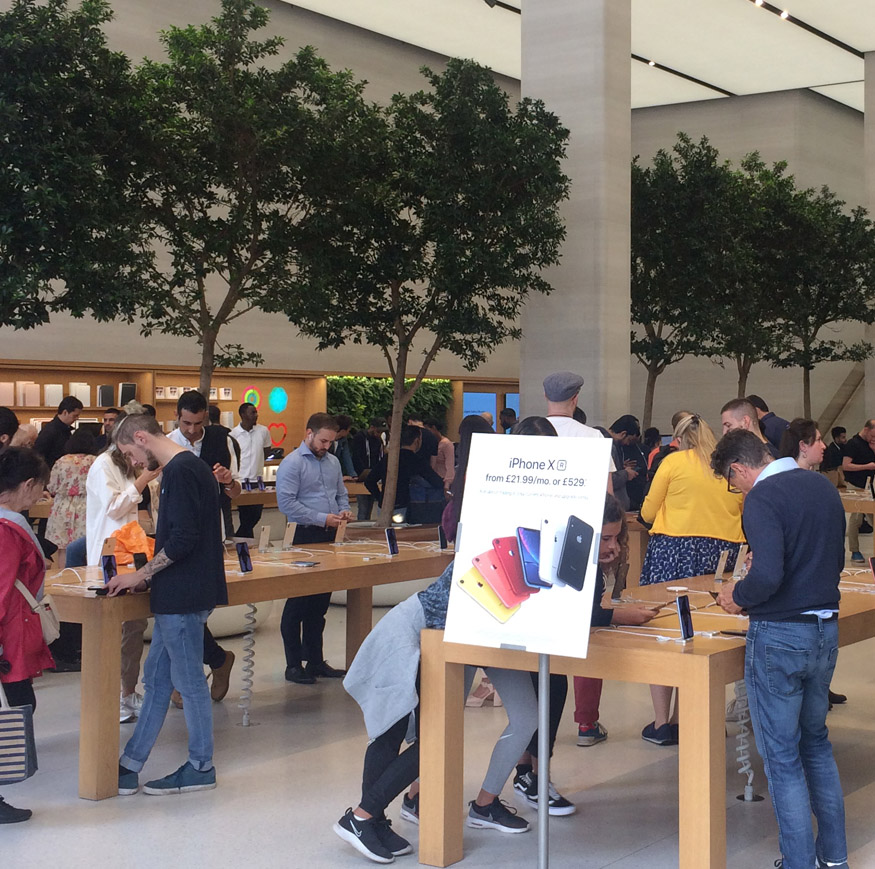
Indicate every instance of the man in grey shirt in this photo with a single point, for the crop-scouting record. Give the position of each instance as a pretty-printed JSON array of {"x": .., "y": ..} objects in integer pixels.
[{"x": 310, "y": 492}]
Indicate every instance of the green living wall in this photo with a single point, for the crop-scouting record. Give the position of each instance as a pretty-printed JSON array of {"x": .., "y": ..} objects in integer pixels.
[{"x": 366, "y": 397}]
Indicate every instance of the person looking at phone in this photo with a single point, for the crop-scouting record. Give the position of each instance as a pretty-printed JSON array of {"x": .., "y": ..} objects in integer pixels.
[
  {"x": 623, "y": 433},
  {"x": 795, "y": 524},
  {"x": 310, "y": 492},
  {"x": 187, "y": 580},
  {"x": 741, "y": 414},
  {"x": 858, "y": 465}
]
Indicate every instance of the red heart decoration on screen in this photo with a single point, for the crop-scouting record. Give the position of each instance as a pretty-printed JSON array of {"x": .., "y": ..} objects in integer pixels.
[{"x": 278, "y": 432}]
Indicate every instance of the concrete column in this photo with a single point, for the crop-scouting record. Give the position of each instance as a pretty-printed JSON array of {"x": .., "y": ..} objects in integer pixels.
[
  {"x": 869, "y": 175},
  {"x": 575, "y": 57}
]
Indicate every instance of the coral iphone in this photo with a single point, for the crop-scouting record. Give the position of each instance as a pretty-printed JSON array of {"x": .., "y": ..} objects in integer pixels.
[{"x": 489, "y": 567}]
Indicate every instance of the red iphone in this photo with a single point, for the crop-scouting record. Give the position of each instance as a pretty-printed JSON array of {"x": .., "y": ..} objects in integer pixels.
[{"x": 489, "y": 567}]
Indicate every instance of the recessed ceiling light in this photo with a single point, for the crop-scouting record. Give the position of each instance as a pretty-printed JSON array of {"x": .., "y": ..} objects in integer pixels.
[
  {"x": 651, "y": 63},
  {"x": 785, "y": 15},
  {"x": 758, "y": 2}
]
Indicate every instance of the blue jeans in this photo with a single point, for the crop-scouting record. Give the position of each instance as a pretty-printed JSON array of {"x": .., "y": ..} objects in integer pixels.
[
  {"x": 787, "y": 669},
  {"x": 175, "y": 660}
]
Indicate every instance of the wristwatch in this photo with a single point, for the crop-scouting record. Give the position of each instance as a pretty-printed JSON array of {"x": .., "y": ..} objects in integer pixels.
[{"x": 148, "y": 581}]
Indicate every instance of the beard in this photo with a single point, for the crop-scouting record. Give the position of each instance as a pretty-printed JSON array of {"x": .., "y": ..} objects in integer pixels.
[{"x": 152, "y": 464}]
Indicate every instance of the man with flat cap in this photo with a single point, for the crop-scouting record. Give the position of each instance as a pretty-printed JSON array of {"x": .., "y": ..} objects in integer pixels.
[{"x": 561, "y": 391}]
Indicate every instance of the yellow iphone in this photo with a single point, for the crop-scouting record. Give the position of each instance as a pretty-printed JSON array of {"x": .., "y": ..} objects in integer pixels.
[{"x": 474, "y": 584}]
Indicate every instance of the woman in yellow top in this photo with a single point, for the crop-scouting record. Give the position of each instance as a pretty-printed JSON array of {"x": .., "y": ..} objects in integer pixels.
[{"x": 693, "y": 517}]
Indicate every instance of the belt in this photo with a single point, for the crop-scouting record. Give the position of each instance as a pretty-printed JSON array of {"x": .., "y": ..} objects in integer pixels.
[{"x": 808, "y": 619}]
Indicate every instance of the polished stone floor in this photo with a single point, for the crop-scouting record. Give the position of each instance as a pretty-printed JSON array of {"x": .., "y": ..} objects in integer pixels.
[{"x": 287, "y": 778}]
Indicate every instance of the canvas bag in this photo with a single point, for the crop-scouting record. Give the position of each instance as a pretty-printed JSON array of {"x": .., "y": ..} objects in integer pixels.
[
  {"x": 17, "y": 743},
  {"x": 49, "y": 622}
]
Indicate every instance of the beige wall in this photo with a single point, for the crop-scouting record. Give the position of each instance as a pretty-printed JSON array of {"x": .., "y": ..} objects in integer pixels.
[{"x": 822, "y": 141}]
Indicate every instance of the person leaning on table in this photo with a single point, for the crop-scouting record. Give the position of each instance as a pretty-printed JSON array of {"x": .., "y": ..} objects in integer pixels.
[
  {"x": 23, "y": 652},
  {"x": 858, "y": 465},
  {"x": 795, "y": 524}
]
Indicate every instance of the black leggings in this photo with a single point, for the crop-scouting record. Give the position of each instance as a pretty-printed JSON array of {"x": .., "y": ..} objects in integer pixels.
[
  {"x": 20, "y": 693},
  {"x": 558, "y": 693},
  {"x": 386, "y": 771}
]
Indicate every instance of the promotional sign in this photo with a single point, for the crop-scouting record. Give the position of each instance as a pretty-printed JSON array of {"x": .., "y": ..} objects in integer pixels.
[{"x": 527, "y": 550}]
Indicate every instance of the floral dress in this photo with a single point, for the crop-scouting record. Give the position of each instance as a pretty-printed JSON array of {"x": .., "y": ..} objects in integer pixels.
[{"x": 67, "y": 486}]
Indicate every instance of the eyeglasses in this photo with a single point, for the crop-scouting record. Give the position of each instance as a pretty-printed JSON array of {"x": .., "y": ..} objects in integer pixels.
[{"x": 733, "y": 490}]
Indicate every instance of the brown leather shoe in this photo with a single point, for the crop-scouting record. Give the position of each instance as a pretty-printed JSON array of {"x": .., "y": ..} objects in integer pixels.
[
  {"x": 176, "y": 699},
  {"x": 222, "y": 678}
]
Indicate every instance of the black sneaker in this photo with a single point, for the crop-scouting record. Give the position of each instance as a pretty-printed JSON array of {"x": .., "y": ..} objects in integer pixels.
[
  {"x": 325, "y": 670},
  {"x": 410, "y": 808},
  {"x": 398, "y": 845},
  {"x": 363, "y": 836},
  {"x": 527, "y": 785},
  {"x": 496, "y": 816},
  {"x": 659, "y": 735},
  {"x": 11, "y": 815},
  {"x": 299, "y": 675}
]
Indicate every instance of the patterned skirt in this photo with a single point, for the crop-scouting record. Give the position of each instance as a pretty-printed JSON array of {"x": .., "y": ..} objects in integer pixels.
[{"x": 671, "y": 558}]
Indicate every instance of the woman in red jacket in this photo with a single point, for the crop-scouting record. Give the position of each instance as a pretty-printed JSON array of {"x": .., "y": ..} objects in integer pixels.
[{"x": 23, "y": 652}]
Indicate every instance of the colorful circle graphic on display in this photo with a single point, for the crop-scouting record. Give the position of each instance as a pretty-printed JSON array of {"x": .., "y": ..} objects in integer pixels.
[
  {"x": 252, "y": 395},
  {"x": 278, "y": 399}
]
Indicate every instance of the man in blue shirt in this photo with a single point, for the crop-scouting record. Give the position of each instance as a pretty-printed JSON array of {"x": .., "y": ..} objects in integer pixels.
[
  {"x": 795, "y": 524},
  {"x": 310, "y": 491}
]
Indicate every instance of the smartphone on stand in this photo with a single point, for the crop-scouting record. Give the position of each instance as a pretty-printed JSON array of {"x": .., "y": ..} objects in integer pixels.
[
  {"x": 340, "y": 533},
  {"x": 260, "y": 480},
  {"x": 140, "y": 560},
  {"x": 392, "y": 541},
  {"x": 442, "y": 538},
  {"x": 289, "y": 536},
  {"x": 685, "y": 617},
  {"x": 738, "y": 570},
  {"x": 244, "y": 558},
  {"x": 109, "y": 566}
]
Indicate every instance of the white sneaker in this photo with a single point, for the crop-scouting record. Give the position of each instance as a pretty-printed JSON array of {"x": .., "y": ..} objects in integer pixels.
[{"x": 129, "y": 707}]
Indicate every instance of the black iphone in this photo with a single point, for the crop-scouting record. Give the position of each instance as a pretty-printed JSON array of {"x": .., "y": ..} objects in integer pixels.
[
  {"x": 110, "y": 567},
  {"x": 140, "y": 559},
  {"x": 685, "y": 617},
  {"x": 442, "y": 538},
  {"x": 576, "y": 549},
  {"x": 243, "y": 557},
  {"x": 392, "y": 541}
]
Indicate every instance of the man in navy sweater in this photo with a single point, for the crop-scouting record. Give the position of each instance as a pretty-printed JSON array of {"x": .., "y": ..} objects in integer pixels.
[
  {"x": 187, "y": 579},
  {"x": 795, "y": 524}
]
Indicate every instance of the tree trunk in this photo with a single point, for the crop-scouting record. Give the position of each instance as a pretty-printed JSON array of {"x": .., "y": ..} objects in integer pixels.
[
  {"x": 652, "y": 374},
  {"x": 399, "y": 402},
  {"x": 806, "y": 393},
  {"x": 743, "y": 364},
  {"x": 208, "y": 362}
]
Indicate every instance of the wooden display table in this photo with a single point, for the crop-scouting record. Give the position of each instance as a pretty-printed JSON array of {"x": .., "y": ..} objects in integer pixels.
[
  {"x": 357, "y": 571},
  {"x": 700, "y": 670},
  {"x": 857, "y": 501},
  {"x": 638, "y": 539}
]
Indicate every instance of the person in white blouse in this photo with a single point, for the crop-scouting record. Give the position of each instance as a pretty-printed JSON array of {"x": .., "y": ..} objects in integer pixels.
[{"x": 113, "y": 491}]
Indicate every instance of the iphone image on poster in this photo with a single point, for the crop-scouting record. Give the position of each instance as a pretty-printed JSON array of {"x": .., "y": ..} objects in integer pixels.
[
  {"x": 552, "y": 536},
  {"x": 508, "y": 551},
  {"x": 519, "y": 491},
  {"x": 473, "y": 584},
  {"x": 575, "y": 556},
  {"x": 490, "y": 568}
]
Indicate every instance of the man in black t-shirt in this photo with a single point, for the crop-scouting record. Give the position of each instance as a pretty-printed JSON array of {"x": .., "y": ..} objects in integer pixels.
[
  {"x": 188, "y": 571},
  {"x": 832, "y": 457},
  {"x": 858, "y": 464}
]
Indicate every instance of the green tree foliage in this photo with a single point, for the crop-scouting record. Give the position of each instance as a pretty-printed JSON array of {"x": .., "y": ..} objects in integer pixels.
[
  {"x": 363, "y": 398},
  {"x": 234, "y": 152},
  {"x": 70, "y": 234},
  {"x": 444, "y": 236},
  {"x": 676, "y": 247},
  {"x": 821, "y": 260}
]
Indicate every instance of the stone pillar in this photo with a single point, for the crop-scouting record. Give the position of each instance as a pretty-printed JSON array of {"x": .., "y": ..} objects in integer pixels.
[
  {"x": 575, "y": 57},
  {"x": 869, "y": 175}
]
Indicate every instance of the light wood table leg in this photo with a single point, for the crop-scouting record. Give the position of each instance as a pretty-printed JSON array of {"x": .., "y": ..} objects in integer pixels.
[
  {"x": 441, "y": 755},
  {"x": 702, "y": 772},
  {"x": 359, "y": 619},
  {"x": 99, "y": 724}
]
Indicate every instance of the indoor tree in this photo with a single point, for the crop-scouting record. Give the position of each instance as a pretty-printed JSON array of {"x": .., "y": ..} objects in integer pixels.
[
  {"x": 677, "y": 245},
  {"x": 443, "y": 237},
  {"x": 235, "y": 148},
  {"x": 71, "y": 237}
]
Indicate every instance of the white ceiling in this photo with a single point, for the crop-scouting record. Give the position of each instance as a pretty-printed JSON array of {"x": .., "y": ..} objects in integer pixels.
[{"x": 731, "y": 44}]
